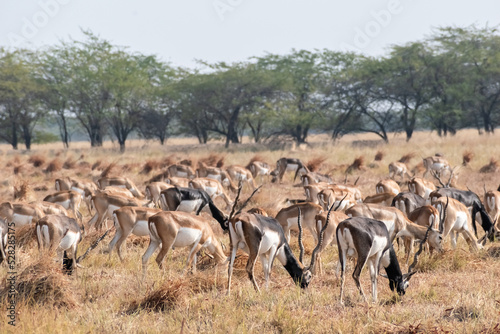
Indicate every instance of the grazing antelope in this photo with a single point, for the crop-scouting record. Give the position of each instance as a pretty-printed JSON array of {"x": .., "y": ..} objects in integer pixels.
[
  {"x": 105, "y": 204},
  {"x": 181, "y": 229},
  {"x": 122, "y": 182},
  {"x": 153, "y": 191},
  {"x": 457, "y": 221},
  {"x": 435, "y": 163},
  {"x": 368, "y": 240},
  {"x": 421, "y": 187},
  {"x": 312, "y": 190},
  {"x": 387, "y": 186},
  {"x": 492, "y": 205},
  {"x": 84, "y": 187},
  {"x": 180, "y": 170},
  {"x": 237, "y": 173},
  {"x": 288, "y": 164},
  {"x": 20, "y": 213},
  {"x": 69, "y": 199},
  {"x": 178, "y": 181},
  {"x": 3, "y": 239},
  {"x": 331, "y": 196},
  {"x": 426, "y": 215},
  {"x": 349, "y": 188},
  {"x": 213, "y": 188},
  {"x": 259, "y": 168},
  {"x": 406, "y": 202},
  {"x": 61, "y": 234},
  {"x": 49, "y": 208},
  {"x": 259, "y": 211},
  {"x": 313, "y": 178},
  {"x": 117, "y": 191},
  {"x": 215, "y": 173},
  {"x": 380, "y": 198},
  {"x": 130, "y": 219},
  {"x": 398, "y": 168},
  {"x": 288, "y": 218}
]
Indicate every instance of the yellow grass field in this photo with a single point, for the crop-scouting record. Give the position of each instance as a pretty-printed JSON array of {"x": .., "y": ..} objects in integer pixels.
[{"x": 454, "y": 292}]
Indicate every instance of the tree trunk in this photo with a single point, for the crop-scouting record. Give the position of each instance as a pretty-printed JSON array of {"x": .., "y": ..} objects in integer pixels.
[{"x": 14, "y": 135}]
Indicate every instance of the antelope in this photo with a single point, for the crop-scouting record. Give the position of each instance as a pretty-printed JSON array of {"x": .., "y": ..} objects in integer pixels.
[
  {"x": 49, "y": 208},
  {"x": 179, "y": 170},
  {"x": 237, "y": 173},
  {"x": 105, "y": 204},
  {"x": 288, "y": 217},
  {"x": 178, "y": 181},
  {"x": 328, "y": 197},
  {"x": 212, "y": 187},
  {"x": 3, "y": 239},
  {"x": 387, "y": 186},
  {"x": 181, "y": 229},
  {"x": 69, "y": 199},
  {"x": 457, "y": 221},
  {"x": 153, "y": 191},
  {"x": 421, "y": 187},
  {"x": 313, "y": 177},
  {"x": 59, "y": 233},
  {"x": 380, "y": 198},
  {"x": 406, "y": 202},
  {"x": 84, "y": 187},
  {"x": 426, "y": 215},
  {"x": 398, "y": 168},
  {"x": 368, "y": 240},
  {"x": 352, "y": 189},
  {"x": 436, "y": 164},
  {"x": 117, "y": 191},
  {"x": 492, "y": 205},
  {"x": 312, "y": 190},
  {"x": 287, "y": 164},
  {"x": 472, "y": 201},
  {"x": 259, "y": 168},
  {"x": 122, "y": 182},
  {"x": 130, "y": 219},
  {"x": 20, "y": 213},
  {"x": 215, "y": 173}
]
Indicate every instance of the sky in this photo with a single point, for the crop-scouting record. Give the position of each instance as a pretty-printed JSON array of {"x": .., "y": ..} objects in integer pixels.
[{"x": 182, "y": 32}]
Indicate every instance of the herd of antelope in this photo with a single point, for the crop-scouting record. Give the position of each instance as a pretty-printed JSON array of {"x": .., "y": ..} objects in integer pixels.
[{"x": 179, "y": 206}]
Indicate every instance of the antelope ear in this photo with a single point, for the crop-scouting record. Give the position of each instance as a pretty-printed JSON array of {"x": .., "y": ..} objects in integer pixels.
[{"x": 409, "y": 275}]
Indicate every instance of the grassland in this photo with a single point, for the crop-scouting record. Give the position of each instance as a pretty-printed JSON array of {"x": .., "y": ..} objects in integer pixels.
[{"x": 453, "y": 292}]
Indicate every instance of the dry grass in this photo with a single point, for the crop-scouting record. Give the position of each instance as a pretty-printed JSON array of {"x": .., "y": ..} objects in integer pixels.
[
  {"x": 22, "y": 191},
  {"x": 492, "y": 167},
  {"x": 54, "y": 166},
  {"x": 70, "y": 163},
  {"x": 379, "y": 155},
  {"x": 407, "y": 157},
  {"x": 456, "y": 291},
  {"x": 107, "y": 171},
  {"x": 467, "y": 157},
  {"x": 150, "y": 165},
  {"x": 357, "y": 165},
  {"x": 37, "y": 160},
  {"x": 313, "y": 165}
]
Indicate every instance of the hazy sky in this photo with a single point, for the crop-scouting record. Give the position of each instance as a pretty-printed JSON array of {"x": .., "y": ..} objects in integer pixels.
[{"x": 233, "y": 30}]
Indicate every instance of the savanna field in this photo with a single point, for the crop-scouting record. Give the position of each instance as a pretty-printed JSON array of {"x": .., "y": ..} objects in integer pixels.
[{"x": 454, "y": 292}]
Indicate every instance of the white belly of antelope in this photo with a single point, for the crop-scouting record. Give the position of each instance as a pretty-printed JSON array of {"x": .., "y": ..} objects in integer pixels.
[
  {"x": 141, "y": 228},
  {"x": 189, "y": 206},
  {"x": 21, "y": 220},
  {"x": 292, "y": 167},
  {"x": 71, "y": 238},
  {"x": 186, "y": 236},
  {"x": 211, "y": 191}
]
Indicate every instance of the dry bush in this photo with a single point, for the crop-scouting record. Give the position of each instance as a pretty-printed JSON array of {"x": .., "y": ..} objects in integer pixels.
[
  {"x": 18, "y": 169},
  {"x": 15, "y": 161},
  {"x": 43, "y": 187},
  {"x": 169, "y": 160},
  {"x": 53, "y": 166},
  {"x": 21, "y": 191},
  {"x": 96, "y": 164},
  {"x": 84, "y": 164},
  {"x": 70, "y": 163},
  {"x": 129, "y": 167},
  {"x": 494, "y": 251},
  {"x": 407, "y": 157},
  {"x": 314, "y": 164},
  {"x": 467, "y": 157},
  {"x": 150, "y": 165},
  {"x": 43, "y": 283},
  {"x": 108, "y": 169},
  {"x": 136, "y": 241},
  {"x": 492, "y": 167},
  {"x": 379, "y": 155},
  {"x": 159, "y": 177},
  {"x": 358, "y": 164},
  {"x": 37, "y": 160},
  {"x": 256, "y": 157},
  {"x": 26, "y": 236},
  {"x": 213, "y": 159}
]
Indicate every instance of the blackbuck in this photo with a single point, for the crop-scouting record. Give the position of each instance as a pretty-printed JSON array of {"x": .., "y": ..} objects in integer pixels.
[
  {"x": 240, "y": 173},
  {"x": 153, "y": 191},
  {"x": 425, "y": 215},
  {"x": 60, "y": 234},
  {"x": 368, "y": 240},
  {"x": 117, "y": 191},
  {"x": 178, "y": 181},
  {"x": 387, "y": 186},
  {"x": 105, "y": 204},
  {"x": 188, "y": 200},
  {"x": 457, "y": 221},
  {"x": 85, "y": 187},
  {"x": 398, "y": 168},
  {"x": 421, "y": 187},
  {"x": 215, "y": 173},
  {"x": 406, "y": 202},
  {"x": 435, "y": 164},
  {"x": 180, "y": 170},
  {"x": 312, "y": 190},
  {"x": 472, "y": 201},
  {"x": 259, "y": 169},
  {"x": 122, "y": 182},
  {"x": 492, "y": 205},
  {"x": 380, "y": 198},
  {"x": 4, "y": 228},
  {"x": 287, "y": 164},
  {"x": 333, "y": 196},
  {"x": 288, "y": 218},
  {"x": 20, "y": 213},
  {"x": 313, "y": 178},
  {"x": 398, "y": 225},
  {"x": 213, "y": 188},
  {"x": 181, "y": 229},
  {"x": 127, "y": 220},
  {"x": 69, "y": 199},
  {"x": 49, "y": 208}
]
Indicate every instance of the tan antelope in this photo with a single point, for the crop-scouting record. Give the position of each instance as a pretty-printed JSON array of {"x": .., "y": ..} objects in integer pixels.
[
  {"x": 437, "y": 164},
  {"x": 85, "y": 187},
  {"x": 153, "y": 191},
  {"x": 215, "y": 173},
  {"x": 20, "y": 213},
  {"x": 288, "y": 218},
  {"x": 127, "y": 220},
  {"x": 380, "y": 198},
  {"x": 213, "y": 188},
  {"x": 259, "y": 168},
  {"x": 105, "y": 204},
  {"x": 60, "y": 234},
  {"x": 426, "y": 215},
  {"x": 288, "y": 164},
  {"x": 457, "y": 221},
  {"x": 313, "y": 178},
  {"x": 333, "y": 197},
  {"x": 237, "y": 173},
  {"x": 368, "y": 240},
  {"x": 421, "y": 187},
  {"x": 181, "y": 229},
  {"x": 492, "y": 205},
  {"x": 312, "y": 190},
  {"x": 180, "y": 170},
  {"x": 49, "y": 208},
  {"x": 117, "y": 191},
  {"x": 69, "y": 199},
  {"x": 178, "y": 182},
  {"x": 398, "y": 168},
  {"x": 387, "y": 186},
  {"x": 122, "y": 182}
]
